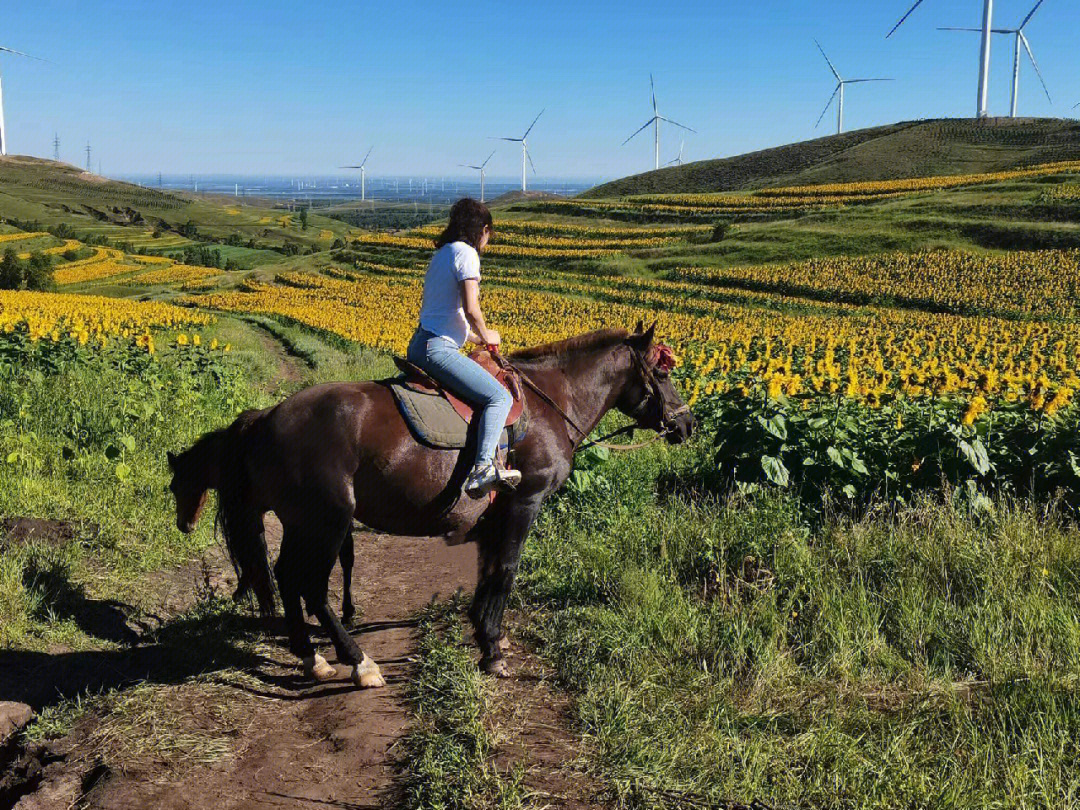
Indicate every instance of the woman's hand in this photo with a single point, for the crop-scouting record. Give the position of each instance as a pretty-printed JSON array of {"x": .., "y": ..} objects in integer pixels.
[{"x": 493, "y": 338}]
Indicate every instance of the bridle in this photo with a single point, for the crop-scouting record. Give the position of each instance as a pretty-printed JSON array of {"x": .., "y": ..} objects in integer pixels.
[{"x": 660, "y": 355}]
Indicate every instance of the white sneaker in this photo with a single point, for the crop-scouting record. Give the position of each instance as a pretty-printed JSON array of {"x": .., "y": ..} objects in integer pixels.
[{"x": 484, "y": 478}]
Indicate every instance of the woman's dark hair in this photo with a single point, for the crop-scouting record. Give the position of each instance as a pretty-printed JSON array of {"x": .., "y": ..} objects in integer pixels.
[{"x": 467, "y": 220}]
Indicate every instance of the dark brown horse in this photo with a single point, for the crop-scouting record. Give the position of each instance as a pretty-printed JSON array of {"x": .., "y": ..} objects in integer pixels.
[{"x": 337, "y": 452}]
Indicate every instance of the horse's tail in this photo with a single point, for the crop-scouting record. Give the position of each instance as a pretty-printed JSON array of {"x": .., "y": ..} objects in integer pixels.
[{"x": 236, "y": 517}]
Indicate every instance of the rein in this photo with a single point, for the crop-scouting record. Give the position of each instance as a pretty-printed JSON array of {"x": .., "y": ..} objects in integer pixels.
[{"x": 502, "y": 362}]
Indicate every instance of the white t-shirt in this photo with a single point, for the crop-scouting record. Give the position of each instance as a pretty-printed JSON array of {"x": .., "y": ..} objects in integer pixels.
[{"x": 442, "y": 312}]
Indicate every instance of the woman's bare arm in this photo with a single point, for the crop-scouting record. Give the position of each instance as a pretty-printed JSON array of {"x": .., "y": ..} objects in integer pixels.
[{"x": 480, "y": 333}]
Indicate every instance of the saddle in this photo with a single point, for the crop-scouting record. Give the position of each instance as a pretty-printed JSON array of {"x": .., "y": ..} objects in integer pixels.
[
  {"x": 416, "y": 379},
  {"x": 439, "y": 419}
]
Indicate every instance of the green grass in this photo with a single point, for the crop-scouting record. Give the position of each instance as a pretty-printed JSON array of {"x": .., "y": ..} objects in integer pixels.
[
  {"x": 83, "y": 441},
  {"x": 728, "y": 650},
  {"x": 447, "y": 751}
]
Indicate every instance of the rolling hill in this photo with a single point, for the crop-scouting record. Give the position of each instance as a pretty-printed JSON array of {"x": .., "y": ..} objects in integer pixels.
[
  {"x": 33, "y": 190},
  {"x": 902, "y": 150}
]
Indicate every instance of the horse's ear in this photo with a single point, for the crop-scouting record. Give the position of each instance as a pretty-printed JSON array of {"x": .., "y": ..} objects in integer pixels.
[
  {"x": 648, "y": 336},
  {"x": 639, "y": 328},
  {"x": 642, "y": 340},
  {"x": 172, "y": 459}
]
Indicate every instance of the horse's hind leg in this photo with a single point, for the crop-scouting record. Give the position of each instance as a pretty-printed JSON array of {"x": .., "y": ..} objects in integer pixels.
[
  {"x": 290, "y": 571},
  {"x": 346, "y": 556},
  {"x": 325, "y": 538}
]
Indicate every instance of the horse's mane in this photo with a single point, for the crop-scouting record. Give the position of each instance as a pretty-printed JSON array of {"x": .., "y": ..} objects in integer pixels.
[{"x": 580, "y": 344}]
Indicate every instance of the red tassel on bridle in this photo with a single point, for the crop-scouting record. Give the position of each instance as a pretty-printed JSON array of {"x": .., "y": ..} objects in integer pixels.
[{"x": 661, "y": 357}]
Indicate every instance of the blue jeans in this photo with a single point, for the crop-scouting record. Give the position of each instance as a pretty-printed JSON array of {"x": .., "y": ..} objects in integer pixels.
[{"x": 468, "y": 380}]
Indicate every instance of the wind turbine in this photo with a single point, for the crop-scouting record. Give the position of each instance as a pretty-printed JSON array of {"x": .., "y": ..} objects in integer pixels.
[
  {"x": 525, "y": 148},
  {"x": 1021, "y": 39},
  {"x": 677, "y": 161},
  {"x": 839, "y": 89},
  {"x": 655, "y": 121},
  {"x": 481, "y": 169},
  {"x": 363, "y": 173},
  {"x": 3, "y": 134},
  {"x": 984, "y": 53}
]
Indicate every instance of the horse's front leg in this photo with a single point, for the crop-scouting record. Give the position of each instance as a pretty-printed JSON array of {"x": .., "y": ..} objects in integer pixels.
[
  {"x": 499, "y": 550},
  {"x": 346, "y": 557}
]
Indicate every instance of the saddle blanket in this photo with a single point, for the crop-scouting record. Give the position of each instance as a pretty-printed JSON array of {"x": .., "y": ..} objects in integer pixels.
[{"x": 433, "y": 421}]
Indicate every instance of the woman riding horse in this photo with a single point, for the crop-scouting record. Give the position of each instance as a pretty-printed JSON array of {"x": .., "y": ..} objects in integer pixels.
[
  {"x": 450, "y": 316},
  {"x": 339, "y": 452}
]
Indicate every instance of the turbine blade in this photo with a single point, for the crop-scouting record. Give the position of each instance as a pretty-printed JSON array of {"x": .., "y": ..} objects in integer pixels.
[
  {"x": 531, "y": 164},
  {"x": 952, "y": 28},
  {"x": 515, "y": 140},
  {"x": 833, "y": 69},
  {"x": 348, "y": 167},
  {"x": 676, "y": 123},
  {"x": 854, "y": 81},
  {"x": 1030, "y": 15},
  {"x": 1035, "y": 65},
  {"x": 20, "y": 53},
  {"x": 485, "y": 163},
  {"x": 652, "y": 89},
  {"x": 643, "y": 126},
  {"x": 834, "y": 92},
  {"x": 902, "y": 19},
  {"x": 533, "y": 124},
  {"x": 364, "y": 161}
]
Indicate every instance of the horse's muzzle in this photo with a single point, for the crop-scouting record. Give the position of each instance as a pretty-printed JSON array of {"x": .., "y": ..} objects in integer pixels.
[
  {"x": 186, "y": 526},
  {"x": 681, "y": 428}
]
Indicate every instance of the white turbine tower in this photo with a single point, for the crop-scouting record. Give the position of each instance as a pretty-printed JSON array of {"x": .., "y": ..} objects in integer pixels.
[
  {"x": 525, "y": 148},
  {"x": 677, "y": 161},
  {"x": 3, "y": 132},
  {"x": 655, "y": 121},
  {"x": 1021, "y": 39},
  {"x": 839, "y": 89},
  {"x": 363, "y": 174},
  {"x": 984, "y": 52},
  {"x": 481, "y": 170}
]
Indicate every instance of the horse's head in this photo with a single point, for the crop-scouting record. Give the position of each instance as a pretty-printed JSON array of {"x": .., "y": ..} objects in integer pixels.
[
  {"x": 189, "y": 486},
  {"x": 651, "y": 399}
]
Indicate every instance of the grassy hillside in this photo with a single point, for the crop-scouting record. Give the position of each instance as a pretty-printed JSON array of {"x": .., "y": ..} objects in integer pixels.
[
  {"x": 50, "y": 193},
  {"x": 903, "y": 150}
]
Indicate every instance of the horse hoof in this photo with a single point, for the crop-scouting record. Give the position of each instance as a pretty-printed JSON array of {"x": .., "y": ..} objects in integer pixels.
[
  {"x": 366, "y": 675},
  {"x": 317, "y": 668},
  {"x": 496, "y": 667}
]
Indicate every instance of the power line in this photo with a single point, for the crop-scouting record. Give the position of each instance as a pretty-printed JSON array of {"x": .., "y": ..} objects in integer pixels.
[
  {"x": 56, "y": 147},
  {"x": 88, "y": 155}
]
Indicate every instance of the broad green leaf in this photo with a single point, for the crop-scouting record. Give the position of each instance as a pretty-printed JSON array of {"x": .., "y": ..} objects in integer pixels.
[
  {"x": 775, "y": 426},
  {"x": 834, "y": 454},
  {"x": 775, "y": 470},
  {"x": 975, "y": 453}
]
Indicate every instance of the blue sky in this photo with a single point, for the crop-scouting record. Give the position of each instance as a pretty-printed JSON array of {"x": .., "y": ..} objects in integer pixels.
[{"x": 303, "y": 87}]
